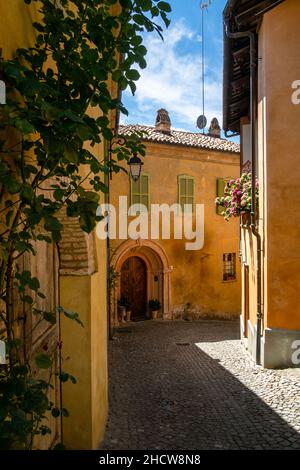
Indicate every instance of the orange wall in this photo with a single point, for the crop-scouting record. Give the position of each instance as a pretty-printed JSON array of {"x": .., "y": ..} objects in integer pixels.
[{"x": 279, "y": 144}]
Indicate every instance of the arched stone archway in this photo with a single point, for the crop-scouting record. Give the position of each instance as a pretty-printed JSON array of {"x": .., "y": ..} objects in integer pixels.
[{"x": 158, "y": 271}]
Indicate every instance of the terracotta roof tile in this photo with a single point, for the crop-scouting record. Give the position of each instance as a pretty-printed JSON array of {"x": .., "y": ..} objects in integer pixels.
[{"x": 189, "y": 139}]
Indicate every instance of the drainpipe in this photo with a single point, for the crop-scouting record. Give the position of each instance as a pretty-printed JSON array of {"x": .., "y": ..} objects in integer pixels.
[{"x": 256, "y": 234}]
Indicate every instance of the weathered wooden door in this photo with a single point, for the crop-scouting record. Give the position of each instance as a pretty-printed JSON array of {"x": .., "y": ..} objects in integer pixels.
[{"x": 134, "y": 285}]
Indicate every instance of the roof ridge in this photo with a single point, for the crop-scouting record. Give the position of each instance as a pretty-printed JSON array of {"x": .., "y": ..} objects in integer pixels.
[{"x": 181, "y": 137}]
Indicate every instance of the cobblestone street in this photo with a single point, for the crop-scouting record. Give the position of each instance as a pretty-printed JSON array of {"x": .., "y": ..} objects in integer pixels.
[{"x": 190, "y": 385}]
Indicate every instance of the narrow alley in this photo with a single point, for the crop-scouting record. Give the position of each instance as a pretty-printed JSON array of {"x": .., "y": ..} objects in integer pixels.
[{"x": 191, "y": 385}]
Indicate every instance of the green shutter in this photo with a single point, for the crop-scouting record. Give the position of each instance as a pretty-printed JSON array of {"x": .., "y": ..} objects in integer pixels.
[
  {"x": 186, "y": 190},
  {"x": 221, "y": 183},
  {"x": 140, "y": 191}
]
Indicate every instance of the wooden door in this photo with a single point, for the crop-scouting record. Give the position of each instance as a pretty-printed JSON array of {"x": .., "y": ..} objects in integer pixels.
[{"x": 134, "y": 285}]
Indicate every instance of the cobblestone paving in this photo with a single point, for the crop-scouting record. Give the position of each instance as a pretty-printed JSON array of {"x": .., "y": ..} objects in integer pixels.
[{"x": 190, "y": 385}]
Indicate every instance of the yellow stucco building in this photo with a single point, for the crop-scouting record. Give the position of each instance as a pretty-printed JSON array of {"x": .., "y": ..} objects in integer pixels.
[
  {"x": 72, "y": 275},
  {"x": 179, "y": 168},
  {"x": 261, "y": 102}
]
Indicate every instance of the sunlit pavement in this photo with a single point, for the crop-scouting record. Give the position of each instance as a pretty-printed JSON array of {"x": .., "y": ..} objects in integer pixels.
[{"x": 190, "y": 385}]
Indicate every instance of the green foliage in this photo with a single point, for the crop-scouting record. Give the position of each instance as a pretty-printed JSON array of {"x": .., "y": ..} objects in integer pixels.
[
  {"x": 154, "y": 304},
  {"x": 55, "y": 164},
  {"x": 113, "y": 277},
  {"x": 24, "y": 405},
  {"x": 123, "y": 302}
]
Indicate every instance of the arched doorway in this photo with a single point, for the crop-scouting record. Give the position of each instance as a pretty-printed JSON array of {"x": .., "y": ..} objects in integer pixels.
[
  {"x": 134, "y": 286},
  {"x": 158, "y": 273}
]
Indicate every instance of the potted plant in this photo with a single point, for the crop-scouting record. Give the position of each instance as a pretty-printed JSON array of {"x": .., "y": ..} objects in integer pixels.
[
  {"x": 122, "y": 309},
  {"x": 154, "y": 305},
  {"x": 237, "y": 198},
  {"x": 128, "y": 310}
]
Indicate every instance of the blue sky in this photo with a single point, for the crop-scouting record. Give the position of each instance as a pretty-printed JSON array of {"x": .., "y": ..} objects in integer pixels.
[{"x": 172, "y": 79}]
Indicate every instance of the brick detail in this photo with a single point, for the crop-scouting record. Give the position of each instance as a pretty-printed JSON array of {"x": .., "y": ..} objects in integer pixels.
[{"x": 77, "y": 250}]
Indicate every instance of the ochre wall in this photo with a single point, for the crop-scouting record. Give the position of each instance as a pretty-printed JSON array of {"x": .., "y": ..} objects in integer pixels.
[
  {"x": 76, "y": 353},
  {"x": 16, "y": 26},
  {"x": 279, "y": 163},
  {"x": 86, "y": 348},
  {"x": 85, "y": 357},
  {"x": 99, "y": 335},
  {"x": 197, "y": 276}
]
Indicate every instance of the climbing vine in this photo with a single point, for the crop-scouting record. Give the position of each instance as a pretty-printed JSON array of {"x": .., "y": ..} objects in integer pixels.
[{"x": 58, "y": 101}]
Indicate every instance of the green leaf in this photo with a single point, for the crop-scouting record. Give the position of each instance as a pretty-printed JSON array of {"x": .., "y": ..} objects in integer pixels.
[
  {"x": 73, "y": 379},
  {"x": 83, "y": 132},
  {"x": 43, "y": 361},
  {"x": 24, "y": 126},
  {"x": 123, "y": 83},
  {"x": 64, "y": 376},
  {"x": 59, "y": 446},
  {"x": 55, "y": 412},
  {"x": 27, "y": 299},
  {"x": 71, "y": 154},
  {"x": 164, "y": 6},
  {"x": 21, "y": 247},
  {"x": 72, "y": 315},
  {"x": 27, "y": 193},
  {"x": 44, "y": 238},
  {"x": 65, "y": 412},
  {"x": 12, "y": 185},
  {"x": 52, "y": 224},
  {"x": 34, "y": 283},
  {"x": 132, "y": 74},
  {"x": 58, "y": 194}
]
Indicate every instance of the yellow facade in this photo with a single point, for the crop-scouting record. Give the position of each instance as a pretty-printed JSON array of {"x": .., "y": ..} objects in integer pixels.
[
  {"x": 190, "y": 278},
  {"x": 84, "y": 350}
]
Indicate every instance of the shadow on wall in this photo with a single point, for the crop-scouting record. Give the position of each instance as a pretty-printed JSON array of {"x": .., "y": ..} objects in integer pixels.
[{"x": 179, "y": 397}]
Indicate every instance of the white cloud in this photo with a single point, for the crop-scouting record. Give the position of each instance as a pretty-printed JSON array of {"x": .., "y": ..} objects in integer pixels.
[{"x": 172, "y": 80}]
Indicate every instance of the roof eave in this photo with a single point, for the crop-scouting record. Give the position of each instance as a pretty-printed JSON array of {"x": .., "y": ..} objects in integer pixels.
[{"x": 248, "y": 20}]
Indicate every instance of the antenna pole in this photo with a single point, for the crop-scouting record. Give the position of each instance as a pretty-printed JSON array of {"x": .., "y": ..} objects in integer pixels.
[{"x": 203, "y": 78}]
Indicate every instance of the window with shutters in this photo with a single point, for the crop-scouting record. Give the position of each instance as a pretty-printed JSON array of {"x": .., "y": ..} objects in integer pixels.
[
  {"x": 186, "y": 191},
  {"x": 139, "y": 191},
  {"x": 229, "y": 267}
]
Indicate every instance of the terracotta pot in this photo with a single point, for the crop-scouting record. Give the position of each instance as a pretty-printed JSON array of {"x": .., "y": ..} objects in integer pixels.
[
  {"x": 128, "y": 315},
  {"x": 154, "y": 314},
  {"x": 122, "y": 314}
]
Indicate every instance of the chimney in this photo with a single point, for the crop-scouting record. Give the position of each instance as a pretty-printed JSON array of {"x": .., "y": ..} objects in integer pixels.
[
  {"x": 163, "y": 122},
  {"x": 215, "y": 129}
]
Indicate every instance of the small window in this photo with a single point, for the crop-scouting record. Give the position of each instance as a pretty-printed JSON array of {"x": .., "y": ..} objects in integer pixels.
[
  {"x": 186, "y": 191},
  {"x": 140, "y": 191},
  {"x": 229, "y": 267}
]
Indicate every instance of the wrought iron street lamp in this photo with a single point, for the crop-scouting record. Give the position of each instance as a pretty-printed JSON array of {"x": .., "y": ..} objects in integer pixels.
[
  {"x": 135, "y": 163},
  {"x": 135, "y": 166}
]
